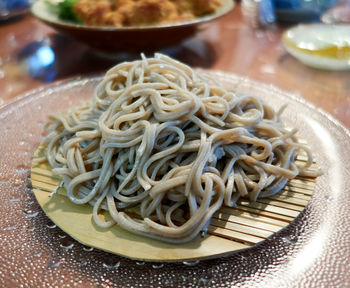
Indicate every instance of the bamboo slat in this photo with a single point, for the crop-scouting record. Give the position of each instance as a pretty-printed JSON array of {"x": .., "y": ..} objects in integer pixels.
[{"x": 231, "y": 229}]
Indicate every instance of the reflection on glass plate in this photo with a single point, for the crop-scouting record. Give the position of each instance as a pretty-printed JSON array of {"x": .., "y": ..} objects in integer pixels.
[
  {"x": 312, "y": 251},
  {"x": 110, "y": 39}
]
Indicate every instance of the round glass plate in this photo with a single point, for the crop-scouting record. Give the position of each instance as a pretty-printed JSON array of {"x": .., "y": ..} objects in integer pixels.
[{"x": 313, "y": 251}]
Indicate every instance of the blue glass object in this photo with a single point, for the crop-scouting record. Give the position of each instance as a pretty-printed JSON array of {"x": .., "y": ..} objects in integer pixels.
[
  {"x": 314, "y": 5},
  {"x": 14, "y": 4},
  {"x": 38, "y": 58},
  {"x": 287, "y": 4},
  {"x": 267, "y": 12}
]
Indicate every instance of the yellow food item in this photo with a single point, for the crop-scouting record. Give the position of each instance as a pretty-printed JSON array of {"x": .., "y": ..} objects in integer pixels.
[{"x": 320, "y": 40}]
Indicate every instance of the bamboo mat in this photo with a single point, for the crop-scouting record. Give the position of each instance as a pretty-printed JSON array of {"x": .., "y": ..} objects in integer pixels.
[{"x": 231, "y": 229}]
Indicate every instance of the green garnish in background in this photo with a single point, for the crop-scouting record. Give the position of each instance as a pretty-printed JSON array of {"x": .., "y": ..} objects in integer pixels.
[{"x": 64, "y": 9}]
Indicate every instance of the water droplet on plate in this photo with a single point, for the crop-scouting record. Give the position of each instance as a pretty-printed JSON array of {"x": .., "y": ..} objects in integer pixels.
[
  {"x": 68, "y": 247},
  {"x": 55, "y": 264},
  {"x": 4, "y": 180},
  {"x": 111, "y": 265},
  {"x": 204, "y": 280},
  {"x": 10, "y": 228},
  {"x": 140, "y": 263},
  {"x": 23, "y": 143},
  {"x": 88, "y": 249},
  {"x": 67, "y": 243},
  {"x": 243, "y": 257},
  {"x": 191, "y": 263},
  {"x": 31, "y": 228},
  {"x": 21, "y": 169},
  {"x": 26, "y": 153},
  {"x": 31, "y": 214},
  {"x": 51, "y": 225},
  {"x": 29, "y": 185},
  {"x": 288, "y": 240},
  {"x": 17, "y": 182}
]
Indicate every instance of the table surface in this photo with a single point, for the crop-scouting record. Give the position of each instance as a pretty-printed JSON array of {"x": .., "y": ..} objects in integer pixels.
[{"x": 229, "y": 44}]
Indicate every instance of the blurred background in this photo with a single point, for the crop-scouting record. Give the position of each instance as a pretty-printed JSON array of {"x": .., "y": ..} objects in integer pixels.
[{"x": 246, "y": 40}]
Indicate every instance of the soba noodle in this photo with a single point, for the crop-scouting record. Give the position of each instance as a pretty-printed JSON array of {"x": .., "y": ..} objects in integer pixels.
[{"x": 161, "y": 149}]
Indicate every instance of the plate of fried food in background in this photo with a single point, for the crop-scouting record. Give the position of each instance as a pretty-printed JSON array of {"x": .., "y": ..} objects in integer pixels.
[{"x": 110, "y": 25}]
